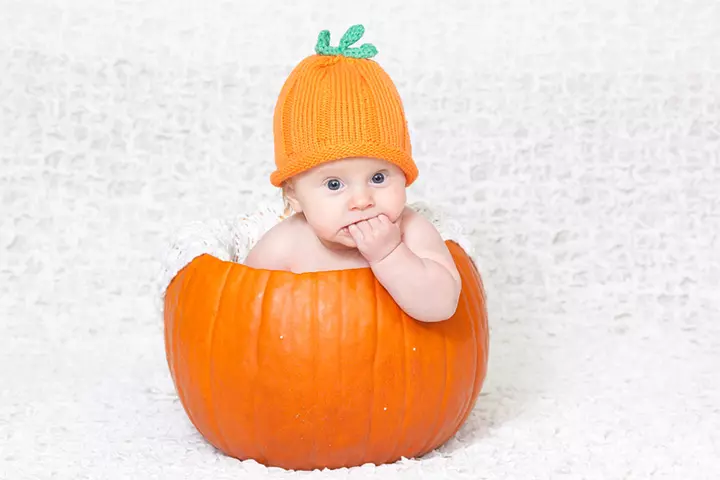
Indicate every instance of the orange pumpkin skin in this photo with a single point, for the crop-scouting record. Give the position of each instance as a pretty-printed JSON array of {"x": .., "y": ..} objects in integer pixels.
[{"x": 321, "y": 369}]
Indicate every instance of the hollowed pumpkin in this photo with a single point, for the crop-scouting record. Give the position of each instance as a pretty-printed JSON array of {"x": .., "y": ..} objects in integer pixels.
[{"x": 321, "y": 369}]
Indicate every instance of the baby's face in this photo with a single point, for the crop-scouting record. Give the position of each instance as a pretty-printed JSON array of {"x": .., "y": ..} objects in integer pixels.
[{"x": 336, "y": 194}]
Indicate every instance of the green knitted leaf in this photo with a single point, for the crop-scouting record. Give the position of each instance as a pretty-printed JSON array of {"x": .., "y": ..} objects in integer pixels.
[
  {"x": 323, "y": 44},
  {"x": 366, "y": 50},
  {"x": 351, "y": 36}
]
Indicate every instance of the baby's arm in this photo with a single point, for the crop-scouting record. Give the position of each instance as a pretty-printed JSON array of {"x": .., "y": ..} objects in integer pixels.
[{"x": 419, "y": 272}]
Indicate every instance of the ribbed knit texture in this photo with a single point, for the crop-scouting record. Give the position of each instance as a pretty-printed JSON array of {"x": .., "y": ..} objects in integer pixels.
[{"x": 333, "y": 107}]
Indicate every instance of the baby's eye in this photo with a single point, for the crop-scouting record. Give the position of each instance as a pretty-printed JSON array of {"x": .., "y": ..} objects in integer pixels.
[
  {"x": 378, "y": 178},
  {"x": 334, "y": 184}
]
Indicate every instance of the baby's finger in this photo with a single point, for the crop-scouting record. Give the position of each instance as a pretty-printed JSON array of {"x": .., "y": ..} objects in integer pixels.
[
  {"x": 355, "y": 232},
  {"x": 375, "y": 223},
  {"x": 365, "y": 228},
  {"x": 384, "y": 220}
]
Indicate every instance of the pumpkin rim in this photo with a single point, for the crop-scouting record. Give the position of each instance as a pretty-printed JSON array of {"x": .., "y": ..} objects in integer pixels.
[{"x": 334, "y": 271}]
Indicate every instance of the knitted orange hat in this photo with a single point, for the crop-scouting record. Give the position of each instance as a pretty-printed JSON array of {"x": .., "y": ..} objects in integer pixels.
[{"x": 338, "y": 104}]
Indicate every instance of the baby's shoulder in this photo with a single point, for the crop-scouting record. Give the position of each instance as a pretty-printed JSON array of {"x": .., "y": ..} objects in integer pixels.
[
  {"x": 425, "y": 240},
  {"x": 275, "y": 248},
  {"x": 416, "y": 225}
]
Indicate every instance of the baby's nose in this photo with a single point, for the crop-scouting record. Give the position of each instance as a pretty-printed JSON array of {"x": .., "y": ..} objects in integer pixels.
[{"x": 361, "y": 200}]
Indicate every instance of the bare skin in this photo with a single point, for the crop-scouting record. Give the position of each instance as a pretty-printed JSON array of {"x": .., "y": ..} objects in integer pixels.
[{"x": 361, "y": 224}]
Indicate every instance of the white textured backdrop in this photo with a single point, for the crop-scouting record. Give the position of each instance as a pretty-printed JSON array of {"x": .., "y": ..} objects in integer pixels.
[{"x": 580, "y": 140}]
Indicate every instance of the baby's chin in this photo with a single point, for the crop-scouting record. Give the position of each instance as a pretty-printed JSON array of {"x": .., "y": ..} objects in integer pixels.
[{"x": 345, "y": 239}]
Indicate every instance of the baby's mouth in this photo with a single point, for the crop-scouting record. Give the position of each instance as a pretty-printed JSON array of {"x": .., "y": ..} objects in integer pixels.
[{"x": 345, "y": 228}]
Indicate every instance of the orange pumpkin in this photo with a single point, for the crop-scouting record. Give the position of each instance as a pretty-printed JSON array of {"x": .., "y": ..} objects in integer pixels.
[{"x": 320, "y": 369}]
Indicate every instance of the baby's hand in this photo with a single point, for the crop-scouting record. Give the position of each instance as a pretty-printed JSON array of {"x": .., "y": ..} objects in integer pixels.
[{"x": 376, "y": 237}]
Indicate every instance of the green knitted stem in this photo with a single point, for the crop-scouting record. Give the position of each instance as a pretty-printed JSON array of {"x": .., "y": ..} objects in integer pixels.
[{"x": 366, "y": 50}]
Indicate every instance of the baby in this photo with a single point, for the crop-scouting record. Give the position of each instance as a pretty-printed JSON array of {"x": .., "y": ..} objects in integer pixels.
[{"x": 344, "y": 162}]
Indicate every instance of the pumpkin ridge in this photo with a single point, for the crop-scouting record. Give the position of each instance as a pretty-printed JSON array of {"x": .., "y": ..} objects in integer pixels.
[
  {"x": 233, "y": 299},
  {"x": 213, "y": 322},
  {"x": 339, "y": 339},
  {"x": 171, "y": 314},
  {"x": 186, "y": 278},
  {"x": 266, "y": 298},
  {"x": 432, "y": 440},
  {"x": 476, "y": 308},
  {"x": 463, "y": 412},
  {"x": 315, "y": 341},
  {"x": 468, "y": 310},
  {"x": 480, "y": 298},
  {"x": 473, "y": 308},
  {"x": 374, "y": 371},
  {"x": 400, "y": 438}
]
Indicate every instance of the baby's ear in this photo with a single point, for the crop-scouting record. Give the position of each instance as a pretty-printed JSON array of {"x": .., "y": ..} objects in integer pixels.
[{"x": 290, "y": 198}]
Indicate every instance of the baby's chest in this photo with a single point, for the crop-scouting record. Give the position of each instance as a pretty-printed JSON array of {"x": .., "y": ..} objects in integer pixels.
[{"x": 320, "y": 259}]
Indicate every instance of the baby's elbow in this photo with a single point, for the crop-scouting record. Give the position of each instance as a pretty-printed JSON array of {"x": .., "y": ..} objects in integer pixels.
[
  {"x": 452, "y": 304},
  {"x": 445, "y": 308},
  {"x": 437, "y": 315}
]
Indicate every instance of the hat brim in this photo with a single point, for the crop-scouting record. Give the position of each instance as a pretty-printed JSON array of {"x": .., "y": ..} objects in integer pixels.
[{"x": 299, "y": 162}]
